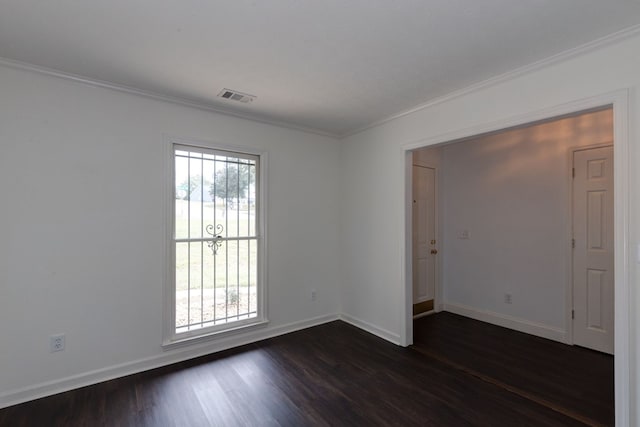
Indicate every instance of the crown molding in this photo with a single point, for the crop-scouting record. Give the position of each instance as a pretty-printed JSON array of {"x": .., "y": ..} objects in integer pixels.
[
  {"x": 185, "y": 102},
  {"x": 493, "y": 81},
  {"x": 509, "y": 75}
]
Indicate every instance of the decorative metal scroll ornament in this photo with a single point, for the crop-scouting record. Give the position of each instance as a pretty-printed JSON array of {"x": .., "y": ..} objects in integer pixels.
[{"x": 215, "y": 244}]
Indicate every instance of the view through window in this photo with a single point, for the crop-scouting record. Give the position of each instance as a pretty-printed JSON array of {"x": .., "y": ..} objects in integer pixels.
[{"x": 216, "y": 240}]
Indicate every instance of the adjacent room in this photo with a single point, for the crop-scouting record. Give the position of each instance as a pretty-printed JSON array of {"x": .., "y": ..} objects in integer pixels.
[
  {"x": 319, "y": 213},
  {"x": 487, "y": 212}
]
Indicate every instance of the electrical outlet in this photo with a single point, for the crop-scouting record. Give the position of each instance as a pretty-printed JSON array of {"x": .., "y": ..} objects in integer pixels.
[
  {"x": 463, "y": 235},
  {"x": 507, "y": 298},
  {"x": 313, "y": 294},
  {"x": 56, "y": 343}
]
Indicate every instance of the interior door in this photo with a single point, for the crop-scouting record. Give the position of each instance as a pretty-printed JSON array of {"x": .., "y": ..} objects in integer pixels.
[
  {"x": 424, "y": 234},
  {"x": 593, "y": 281}
]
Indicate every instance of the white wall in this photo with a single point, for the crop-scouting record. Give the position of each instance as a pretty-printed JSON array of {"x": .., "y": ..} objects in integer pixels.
[
  {"x": 511, "y": 192},
  {"x": 373, "y": 165},
  {"x": 81, "y": 223},
  {"x": 74, "y": 260}
]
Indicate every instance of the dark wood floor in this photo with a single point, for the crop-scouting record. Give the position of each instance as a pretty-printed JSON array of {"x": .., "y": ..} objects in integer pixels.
[
  {"x": 572, "y": 380},
  {"x": 334, "y": 374}
]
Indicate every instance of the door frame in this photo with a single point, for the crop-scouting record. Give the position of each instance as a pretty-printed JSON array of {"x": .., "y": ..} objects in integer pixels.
[
  {"x": 569, "y": 287},
  {"x": 436, "y": 219},
  {"x": 619, "y": 100}
]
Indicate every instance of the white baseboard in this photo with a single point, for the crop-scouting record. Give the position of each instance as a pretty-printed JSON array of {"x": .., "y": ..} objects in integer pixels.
[
  {"x": 515, "y": 323},
  {"x": 424, "y": 314},
  {"x": 371, "y": 328},
  {"x": 14, "y": 397}
]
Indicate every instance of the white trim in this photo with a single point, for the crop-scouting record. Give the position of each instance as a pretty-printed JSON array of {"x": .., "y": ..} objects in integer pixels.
[
  {"x": 506, "y": 321},
  {"x": 439, "y": 214},
  {"x": 620, "y": 101},
  {"x": 168, "y": 261},
  {"x": 185, "y": 102},
  {"x": 232, "y": 328},
  {"x": 509, "y": 75},
  {"x": 371, "y": 328},
  {"x": 568, "y": 290},
  {"x": 591, "y": 103},
  {"x": 527, "y": 69},
  {"x": 37, "y": 391},
  {"x": 170, "y": 338},
  {"x": 406, "y": 255},
  {"x": 623, "y": 301},
  {"x": 424, "y": 314}
]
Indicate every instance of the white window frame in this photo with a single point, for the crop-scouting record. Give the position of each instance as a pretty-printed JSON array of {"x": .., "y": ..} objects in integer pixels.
[{"x": 170, "y": 337}]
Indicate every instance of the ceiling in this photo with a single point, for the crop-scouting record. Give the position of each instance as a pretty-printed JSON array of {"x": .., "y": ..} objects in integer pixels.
[{"x": 331, "y": 66}]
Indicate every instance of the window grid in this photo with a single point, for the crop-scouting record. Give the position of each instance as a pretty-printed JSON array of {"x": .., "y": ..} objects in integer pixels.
[{"x": 205, "y": 305}]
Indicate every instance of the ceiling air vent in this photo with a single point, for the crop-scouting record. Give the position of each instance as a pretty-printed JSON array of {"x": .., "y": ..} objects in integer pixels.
[{"x": 234, "y": 95}]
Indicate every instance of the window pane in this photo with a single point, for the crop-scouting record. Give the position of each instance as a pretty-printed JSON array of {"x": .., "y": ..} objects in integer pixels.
[
  {"x": 253, "y": 276},
  {"x": 182, "y": 283},
  {"x": 210, "y": 214},
  {"x": 210, "y": 298},
  {"x": 195, "y": 198},
  {"x": 234, "y": 194},
  {"x": 248, "y": 267},
  {"x": 216, "y": 278},
  {"x": 181, "y": 195},
  {"x": 195, "y": 283}
]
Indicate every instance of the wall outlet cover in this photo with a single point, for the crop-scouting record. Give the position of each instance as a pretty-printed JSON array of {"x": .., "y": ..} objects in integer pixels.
[{"x": 56, "y": 343}]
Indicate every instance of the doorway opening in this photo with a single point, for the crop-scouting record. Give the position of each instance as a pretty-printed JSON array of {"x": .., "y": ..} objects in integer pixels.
[
  {"x": 544, "y": 311},
  {"x": 425, "y": 234}
]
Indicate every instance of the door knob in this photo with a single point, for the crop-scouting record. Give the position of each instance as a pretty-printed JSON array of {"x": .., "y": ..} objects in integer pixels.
[{"x": 434, "y": 251}]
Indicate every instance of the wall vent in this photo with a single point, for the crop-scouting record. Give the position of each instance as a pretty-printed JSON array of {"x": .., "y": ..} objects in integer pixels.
[{"x": 234, "y": 95}]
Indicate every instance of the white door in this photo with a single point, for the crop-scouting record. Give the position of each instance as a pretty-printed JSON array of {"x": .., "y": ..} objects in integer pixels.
[
  {"x": 424, "y": 234},
  {"x": 593, "y": 249}
]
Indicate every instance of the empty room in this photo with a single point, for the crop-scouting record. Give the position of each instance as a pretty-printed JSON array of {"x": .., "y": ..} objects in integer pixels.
[{"x": 239, "y": 213}]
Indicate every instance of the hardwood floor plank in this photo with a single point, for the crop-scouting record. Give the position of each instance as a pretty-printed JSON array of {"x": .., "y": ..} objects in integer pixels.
[
  {"x": 578, "y": 380},
  {"x": 330, "y": 375}
]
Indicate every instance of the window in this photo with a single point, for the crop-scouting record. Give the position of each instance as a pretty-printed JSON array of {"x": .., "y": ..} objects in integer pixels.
[{"x": 216, "y": 243}]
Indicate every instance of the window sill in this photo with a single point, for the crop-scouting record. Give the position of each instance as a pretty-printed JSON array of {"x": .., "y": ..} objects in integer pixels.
[{"x": 178, "y": 341}]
